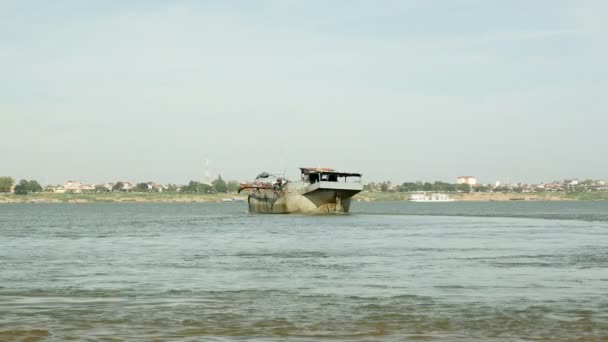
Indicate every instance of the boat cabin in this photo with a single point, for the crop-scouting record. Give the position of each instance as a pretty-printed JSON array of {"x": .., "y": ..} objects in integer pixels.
[{"x": 313, "y": 175}]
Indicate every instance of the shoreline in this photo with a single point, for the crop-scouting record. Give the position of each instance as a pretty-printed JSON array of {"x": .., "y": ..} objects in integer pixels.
[
  {"x": 476, "y": 197},
  {"x": 118, "y": 198},
  {"x": 228, "y": 197}
]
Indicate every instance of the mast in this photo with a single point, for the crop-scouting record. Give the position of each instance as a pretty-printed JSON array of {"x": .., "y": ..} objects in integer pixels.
[{"x": 207, "y": 177}]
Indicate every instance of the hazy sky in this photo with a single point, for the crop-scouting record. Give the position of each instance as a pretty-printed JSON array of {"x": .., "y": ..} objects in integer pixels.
[{"x": 399, "y": 90}]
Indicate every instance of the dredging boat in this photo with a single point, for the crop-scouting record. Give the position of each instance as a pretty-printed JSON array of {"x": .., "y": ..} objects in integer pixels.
[{"x": 319, "y": 191}]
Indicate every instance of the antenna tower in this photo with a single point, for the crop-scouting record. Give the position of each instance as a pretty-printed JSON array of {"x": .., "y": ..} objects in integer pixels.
[{"x": 207, "y": 179}]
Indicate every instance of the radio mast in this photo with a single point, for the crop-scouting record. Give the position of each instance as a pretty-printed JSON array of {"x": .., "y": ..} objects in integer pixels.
[{"x": 207, "y": 178}]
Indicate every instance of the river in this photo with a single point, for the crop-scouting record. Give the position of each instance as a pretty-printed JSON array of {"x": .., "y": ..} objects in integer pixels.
[{"x": 389, "y": 271}]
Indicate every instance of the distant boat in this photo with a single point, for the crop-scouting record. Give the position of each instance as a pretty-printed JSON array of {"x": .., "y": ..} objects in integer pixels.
[
  {"x": 233, "y": 199},
  {"x": 434, "y": 197}
]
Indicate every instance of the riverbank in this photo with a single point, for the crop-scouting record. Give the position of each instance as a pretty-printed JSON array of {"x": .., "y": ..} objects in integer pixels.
[
  {"x": 490, "y": 196},
  {"x": 118, "y": 197},
  {"x": 121, "y": 197}
]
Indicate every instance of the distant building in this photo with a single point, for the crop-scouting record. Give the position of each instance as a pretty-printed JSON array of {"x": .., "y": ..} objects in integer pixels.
[
  {"x": 554, "y": 186},
  {"x": 470, "y": 180},
  {"x": 70, "y": 186},
  {"x": 154, "y": 187},
  {"x": 128, "y": 186},
  {"x": 75, "y": 187}
]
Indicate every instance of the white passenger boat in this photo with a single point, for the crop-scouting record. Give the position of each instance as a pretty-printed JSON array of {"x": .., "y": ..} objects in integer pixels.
[{"x": 433, "y": 197}]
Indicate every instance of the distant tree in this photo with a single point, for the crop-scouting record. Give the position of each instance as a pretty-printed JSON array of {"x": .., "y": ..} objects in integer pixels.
[
  {"x": 21, "y": 188},
  {"x": 6, "y": 183},
  {"x": 384, "y": 186},
  {"x": 141, "y": 187},
  {"x": 118, "y": 186},
  {"x": 220, "y": 185},
  {"x": 34, "y": 186},
  {"x": 193, "y": 186},
  {"x": 171, "y": 188},
  {"x": 26, "y": 186},
  {"x": 463, "y": 187},
  {"x": 189, "y": 187},
  {"x": 206, "y": 188},
  {"x": 409, "y": 187},
  {"x": 482, "y": 188},
  {"x": 373, "y": 186},
  {"x": 100, "y": 188},
  {"x": 427, "y": 186},
  {"x": 441, "y": 186},
  {"x": 233, "y": 186}
]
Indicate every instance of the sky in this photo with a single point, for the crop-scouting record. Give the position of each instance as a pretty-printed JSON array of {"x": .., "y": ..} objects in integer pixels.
[{"x": 397, "y": 90}]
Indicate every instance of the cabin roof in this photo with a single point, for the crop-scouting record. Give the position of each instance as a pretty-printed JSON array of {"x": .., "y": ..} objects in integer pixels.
[
  {"x": 307, "y": 170},
  {"x": 316, "y": 169}
]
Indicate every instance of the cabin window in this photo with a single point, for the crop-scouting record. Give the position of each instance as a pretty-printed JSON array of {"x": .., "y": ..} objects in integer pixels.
[{"x": 313, "y": 177}]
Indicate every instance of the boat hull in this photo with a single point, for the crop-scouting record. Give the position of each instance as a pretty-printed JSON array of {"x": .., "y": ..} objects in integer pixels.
[{"x": 316, "y": 198}]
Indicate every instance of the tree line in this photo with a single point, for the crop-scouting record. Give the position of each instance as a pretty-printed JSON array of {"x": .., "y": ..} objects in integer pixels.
[
  {"x": 23, "y": 187},
  {"x": 217, "y": 186}
]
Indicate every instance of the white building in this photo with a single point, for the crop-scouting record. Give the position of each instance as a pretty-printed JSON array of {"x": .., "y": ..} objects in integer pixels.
[
  {"x": 70, "y": 186},
  {"x": 470, "y": 180},
  {"x": 75, "y": 187},
  {"x": 127, "y": 186}
]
